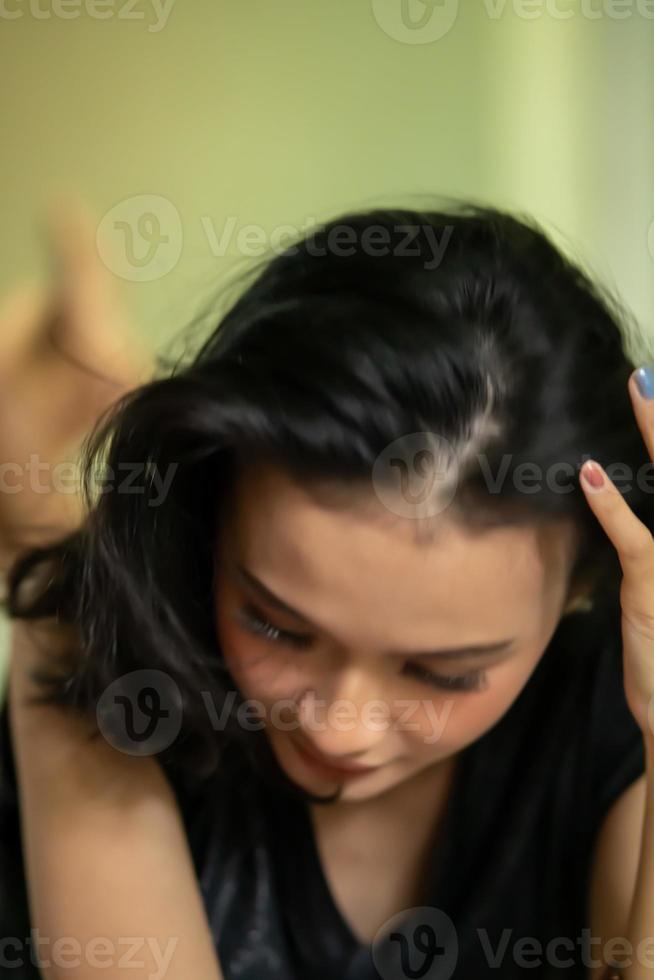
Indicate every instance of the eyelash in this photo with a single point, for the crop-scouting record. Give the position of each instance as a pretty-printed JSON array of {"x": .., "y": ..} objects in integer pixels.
[{"x": 255, "y": 623}]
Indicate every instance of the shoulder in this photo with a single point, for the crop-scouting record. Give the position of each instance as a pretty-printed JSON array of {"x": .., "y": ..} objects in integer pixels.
[
  {"x": 615, "y": 861},
  {"x": 613, "y": 774}
]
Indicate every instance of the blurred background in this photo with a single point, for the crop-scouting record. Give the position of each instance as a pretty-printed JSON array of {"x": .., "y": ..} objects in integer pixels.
[{"x": 202, "y": 132}]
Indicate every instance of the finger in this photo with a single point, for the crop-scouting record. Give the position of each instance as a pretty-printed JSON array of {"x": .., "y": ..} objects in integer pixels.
[
  {"x": 21, "y": 323},
  {"x": 631, "y": 538},
  {"x": 643, "y": 409},
  {"x": 84, "y": 285},
  {"x": 92, "y": 327}
]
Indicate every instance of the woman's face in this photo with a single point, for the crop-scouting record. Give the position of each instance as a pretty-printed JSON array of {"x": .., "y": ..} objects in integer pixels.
[{"x": 341, "y": 628}]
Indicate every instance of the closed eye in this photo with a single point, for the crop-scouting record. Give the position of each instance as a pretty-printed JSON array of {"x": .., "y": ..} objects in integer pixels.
[
  {"x": 253, "y": 621},
  {"x": 250, "y": 617}
]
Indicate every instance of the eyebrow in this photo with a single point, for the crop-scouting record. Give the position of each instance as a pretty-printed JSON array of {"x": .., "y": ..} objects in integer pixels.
[{"x": 478, "y": 649}]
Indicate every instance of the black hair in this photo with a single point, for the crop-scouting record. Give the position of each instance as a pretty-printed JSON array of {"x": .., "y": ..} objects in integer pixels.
[{"x": 468, "y": 323}]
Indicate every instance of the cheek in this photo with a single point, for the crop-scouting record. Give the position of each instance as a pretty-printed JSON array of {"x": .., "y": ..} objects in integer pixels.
[
  {"x": 449, "y": 722},
  {"x": 261, "y": 671}
]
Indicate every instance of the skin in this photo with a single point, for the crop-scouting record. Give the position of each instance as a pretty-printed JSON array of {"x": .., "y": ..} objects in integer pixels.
[{"x": 359, "y": 574}]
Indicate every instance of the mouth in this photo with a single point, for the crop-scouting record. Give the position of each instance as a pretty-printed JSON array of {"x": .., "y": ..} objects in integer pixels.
[{"x": 319, "y": 764}]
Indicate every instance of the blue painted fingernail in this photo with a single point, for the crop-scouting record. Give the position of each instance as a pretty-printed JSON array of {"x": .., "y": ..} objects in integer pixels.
[{"x": 645, "y": 380}]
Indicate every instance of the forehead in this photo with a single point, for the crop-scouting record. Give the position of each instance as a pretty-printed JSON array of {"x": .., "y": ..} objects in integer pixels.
[{"x": 361, "y": 571}]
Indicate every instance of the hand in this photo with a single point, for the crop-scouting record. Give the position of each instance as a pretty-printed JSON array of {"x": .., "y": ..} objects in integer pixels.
[
  {"x": 635, "y": 547},
  {"x": 66, "y": 354}
]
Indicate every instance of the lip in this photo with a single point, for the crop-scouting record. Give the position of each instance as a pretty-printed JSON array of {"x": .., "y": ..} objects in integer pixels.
[{"x": 327, "y": 768}]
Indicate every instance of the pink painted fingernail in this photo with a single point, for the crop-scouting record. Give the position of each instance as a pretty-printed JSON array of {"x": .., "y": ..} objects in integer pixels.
[{"x": 593, "y": 475}]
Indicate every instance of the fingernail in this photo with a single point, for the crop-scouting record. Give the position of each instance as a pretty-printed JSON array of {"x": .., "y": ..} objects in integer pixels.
[
  {"x": 645, "y": 380},
  {"x": 592, "y": 475}
]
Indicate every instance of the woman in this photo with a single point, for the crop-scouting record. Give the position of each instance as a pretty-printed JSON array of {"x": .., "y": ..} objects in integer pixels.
[{"x": 358, "y": 632}]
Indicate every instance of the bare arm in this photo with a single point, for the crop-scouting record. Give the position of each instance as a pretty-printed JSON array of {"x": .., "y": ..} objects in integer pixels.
[{"x": 110, "y": 878}]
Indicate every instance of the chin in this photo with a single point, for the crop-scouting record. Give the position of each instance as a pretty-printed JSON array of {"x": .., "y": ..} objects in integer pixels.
[{"x": 367, "y": 786}]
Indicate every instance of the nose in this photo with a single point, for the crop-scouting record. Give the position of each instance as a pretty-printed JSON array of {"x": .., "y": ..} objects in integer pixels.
[{"x": 348, "y": 725}]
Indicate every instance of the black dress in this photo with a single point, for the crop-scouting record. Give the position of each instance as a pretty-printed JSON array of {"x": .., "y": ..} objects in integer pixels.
[{"x": 509, "y": 893}]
